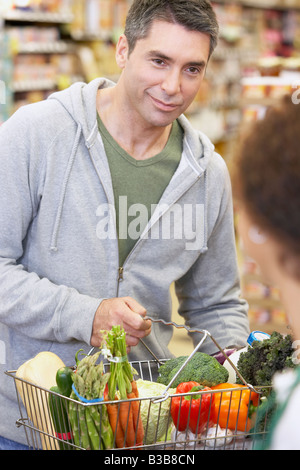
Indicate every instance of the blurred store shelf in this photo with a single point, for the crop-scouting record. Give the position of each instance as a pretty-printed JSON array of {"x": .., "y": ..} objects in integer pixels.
[{"x": 181, "y": 344}]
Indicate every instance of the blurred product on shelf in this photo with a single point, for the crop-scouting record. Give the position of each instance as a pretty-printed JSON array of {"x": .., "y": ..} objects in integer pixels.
[
  {"x": 98, "y": 18},
  {"x": 259, "y": 88},
  {"x": 255, "y": 62},
  {"x": 98, "y": 59},
  {"x": 6, "y": 71},
  {"x": 51, "y": 6},
  {"x": 26, "y": 34},
  {"x": 48, "y": 45}
]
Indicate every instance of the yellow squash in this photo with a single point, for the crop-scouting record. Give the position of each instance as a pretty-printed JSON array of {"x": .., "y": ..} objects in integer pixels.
[{"x": 34, "y": 379}]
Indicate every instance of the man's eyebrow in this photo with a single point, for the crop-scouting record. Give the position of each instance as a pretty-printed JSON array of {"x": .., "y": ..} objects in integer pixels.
[{"x": 161, "y": 55}]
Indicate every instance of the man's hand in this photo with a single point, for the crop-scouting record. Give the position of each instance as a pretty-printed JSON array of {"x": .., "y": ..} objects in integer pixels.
[{"x": 123, "y": 311}]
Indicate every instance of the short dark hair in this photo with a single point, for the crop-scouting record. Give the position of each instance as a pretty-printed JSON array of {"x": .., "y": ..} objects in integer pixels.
[{"x": 195, "y": 15}]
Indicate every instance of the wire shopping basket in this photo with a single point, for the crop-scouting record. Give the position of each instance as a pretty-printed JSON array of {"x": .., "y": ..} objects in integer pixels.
[{"x": 208, "y": 419}]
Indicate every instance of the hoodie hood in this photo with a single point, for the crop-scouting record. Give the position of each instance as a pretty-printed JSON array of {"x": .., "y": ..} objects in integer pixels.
[{"x": 79, "y": 100}]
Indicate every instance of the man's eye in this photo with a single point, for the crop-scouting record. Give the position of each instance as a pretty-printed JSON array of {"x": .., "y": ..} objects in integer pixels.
[
  {"x": 158, "y": 61},
  {"x": 193, "y": 70}
]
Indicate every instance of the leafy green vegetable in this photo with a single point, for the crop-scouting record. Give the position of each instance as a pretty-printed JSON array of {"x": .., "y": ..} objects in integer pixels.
[
  {"x": 260, "y": 362},
  {"x": 156, "y": 417},
  {"x": 201, "y": 368}
]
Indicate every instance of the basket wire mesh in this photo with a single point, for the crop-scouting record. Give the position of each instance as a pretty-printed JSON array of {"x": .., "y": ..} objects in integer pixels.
[
  {"x": 162, "y": 434},
  {"x": 160, "y": 430}
]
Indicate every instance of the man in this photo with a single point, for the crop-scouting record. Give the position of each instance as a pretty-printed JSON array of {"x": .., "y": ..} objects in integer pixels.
[{"x": 108, "y": 196}]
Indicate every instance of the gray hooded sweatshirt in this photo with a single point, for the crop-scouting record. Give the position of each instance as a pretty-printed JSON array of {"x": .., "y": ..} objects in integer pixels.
[{"x": 57, "y": 262}]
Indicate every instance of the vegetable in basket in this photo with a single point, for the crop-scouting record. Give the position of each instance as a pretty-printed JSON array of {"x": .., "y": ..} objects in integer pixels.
[
  {"x": 193, "y": 411},
  {"x": 124, "y": 416},
  {"x": 64, "y": 380},
  {"x": 155, "y": 416},
  {"x": 201, "y": 368},
  {"x": 59, "y": 412},
  {"x": 260, "y": 362},
  {"x": 40, "y": 371},
  {"x": 233, "y": 408},
  {"x": 90, "y": 425},
  {"x": 59, "y": 406}
]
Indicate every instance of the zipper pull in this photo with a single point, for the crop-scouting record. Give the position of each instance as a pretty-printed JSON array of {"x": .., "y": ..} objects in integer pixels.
[{"x": 120, "y": 278}]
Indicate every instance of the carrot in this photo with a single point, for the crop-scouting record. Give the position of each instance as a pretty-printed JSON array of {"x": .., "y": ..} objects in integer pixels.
[
  {"x": 122, "y": 423},
  {"x": 134, "y": 388},
  {"x": 114, "y": 419},
  {"x": 137, "y": 422},
  {"x": 126, "y": 423},
  {"x": 129, "y": 425}
]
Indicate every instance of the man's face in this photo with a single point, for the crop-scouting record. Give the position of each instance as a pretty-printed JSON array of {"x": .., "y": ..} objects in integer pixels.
[{"x": 163, "y": 73}]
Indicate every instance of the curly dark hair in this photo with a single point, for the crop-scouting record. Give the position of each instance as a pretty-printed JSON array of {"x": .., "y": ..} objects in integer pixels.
[{"x": 266, "y": 175}]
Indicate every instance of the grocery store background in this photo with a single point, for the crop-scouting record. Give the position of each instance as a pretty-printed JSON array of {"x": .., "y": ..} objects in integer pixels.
[{"x": 46, "y": 45}]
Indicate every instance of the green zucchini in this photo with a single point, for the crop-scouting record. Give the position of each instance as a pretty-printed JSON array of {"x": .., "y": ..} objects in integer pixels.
[{"x": 58, "y": 409}]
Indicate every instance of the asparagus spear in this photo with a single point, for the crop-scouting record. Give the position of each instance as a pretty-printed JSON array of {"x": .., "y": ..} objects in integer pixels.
[
  {"x": 92, "y": 426},
  {"x": 83, "y": 429},
  {"x": 92, "y": 430},
  {"x": 99, "y": 412}
]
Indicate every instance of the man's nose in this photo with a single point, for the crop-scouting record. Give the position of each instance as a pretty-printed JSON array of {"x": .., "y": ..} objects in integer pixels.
[{"x": 172, "y": 82}]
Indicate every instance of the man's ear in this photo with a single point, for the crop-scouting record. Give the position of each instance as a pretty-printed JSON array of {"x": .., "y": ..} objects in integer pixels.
[{"x": 122, "y": 51}]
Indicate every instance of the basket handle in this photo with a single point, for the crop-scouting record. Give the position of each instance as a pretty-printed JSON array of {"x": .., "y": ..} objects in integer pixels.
[{"x": 205, "y": 335}]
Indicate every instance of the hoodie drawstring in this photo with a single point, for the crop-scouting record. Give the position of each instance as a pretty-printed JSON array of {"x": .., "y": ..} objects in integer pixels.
[
  {"x": 205, "y": 248},
  {"x": 53, "y": 246}
]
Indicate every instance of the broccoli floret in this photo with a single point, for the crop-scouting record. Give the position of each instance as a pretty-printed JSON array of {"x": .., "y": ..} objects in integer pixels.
[
  {"x": 171, "y": 364},
  {"x": 260, "y": 362},
  {"x": 201, "y": 368}
]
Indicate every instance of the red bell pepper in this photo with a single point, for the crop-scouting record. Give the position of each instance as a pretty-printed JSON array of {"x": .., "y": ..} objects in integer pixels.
[{"x": 192, "y": 411}]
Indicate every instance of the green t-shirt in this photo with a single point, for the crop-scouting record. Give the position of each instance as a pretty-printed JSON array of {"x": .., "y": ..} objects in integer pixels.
[{"x": 138, "y": 184}]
